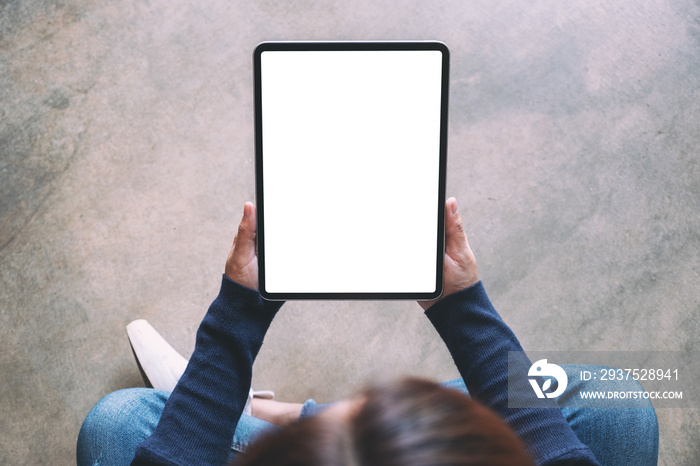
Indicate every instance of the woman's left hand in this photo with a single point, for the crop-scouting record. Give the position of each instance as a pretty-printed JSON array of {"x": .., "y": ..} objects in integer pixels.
[{"x": 242, "y": 262}]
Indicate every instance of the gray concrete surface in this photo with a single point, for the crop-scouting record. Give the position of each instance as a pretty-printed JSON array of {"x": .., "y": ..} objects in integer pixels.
[{"x": 126, "y": 153}]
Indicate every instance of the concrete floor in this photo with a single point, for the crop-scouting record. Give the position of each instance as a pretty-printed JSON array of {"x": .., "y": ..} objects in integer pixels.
[{"x": 126, "y": 153}]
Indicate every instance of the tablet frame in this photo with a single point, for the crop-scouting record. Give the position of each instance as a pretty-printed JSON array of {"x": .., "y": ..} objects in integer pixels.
[{"x": 350, "y": 46}]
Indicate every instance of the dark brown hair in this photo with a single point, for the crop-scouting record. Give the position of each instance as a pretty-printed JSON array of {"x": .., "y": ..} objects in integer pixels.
[{"x": 410, "y": 422}]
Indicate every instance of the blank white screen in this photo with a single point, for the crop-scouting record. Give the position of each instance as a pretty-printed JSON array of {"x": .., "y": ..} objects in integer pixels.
[{"x": 351, "y": 150}]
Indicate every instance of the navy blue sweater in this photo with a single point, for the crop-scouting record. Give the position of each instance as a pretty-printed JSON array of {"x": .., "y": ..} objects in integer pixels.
[{"x": 199, "y": 419}]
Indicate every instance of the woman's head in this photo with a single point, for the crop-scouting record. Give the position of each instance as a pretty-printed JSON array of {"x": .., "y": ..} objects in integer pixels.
[{"x": 408, "y": 422}]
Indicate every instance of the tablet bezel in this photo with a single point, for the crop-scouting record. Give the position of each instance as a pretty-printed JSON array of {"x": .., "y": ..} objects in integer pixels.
[{"x": 350, "y": 46}]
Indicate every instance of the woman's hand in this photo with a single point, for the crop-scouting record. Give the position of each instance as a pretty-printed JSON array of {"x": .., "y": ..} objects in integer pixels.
[
  {"x": 459, "y": 270},
  {"x": 242, "y": 262}
]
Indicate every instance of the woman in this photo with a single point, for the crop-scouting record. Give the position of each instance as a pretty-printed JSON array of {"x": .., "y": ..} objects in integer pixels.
[{"x": 408, "y": 422}]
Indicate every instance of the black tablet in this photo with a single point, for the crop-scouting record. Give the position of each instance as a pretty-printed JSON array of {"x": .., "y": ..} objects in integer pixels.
[{"x": 351, "y": 144}]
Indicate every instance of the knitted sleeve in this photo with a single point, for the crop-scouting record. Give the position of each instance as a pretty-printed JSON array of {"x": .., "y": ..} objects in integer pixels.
[
  {"x": 200, "y": 416},
  {"x": 479, "y": 342}
]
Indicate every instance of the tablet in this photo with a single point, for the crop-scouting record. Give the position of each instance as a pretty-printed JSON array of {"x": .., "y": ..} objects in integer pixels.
[{"x": 350, "y": 169}]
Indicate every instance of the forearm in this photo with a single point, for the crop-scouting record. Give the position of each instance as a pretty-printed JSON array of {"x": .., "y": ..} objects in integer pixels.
[
  {"x": 199, "y": 419},
  {"x": 479, "y": 342}
]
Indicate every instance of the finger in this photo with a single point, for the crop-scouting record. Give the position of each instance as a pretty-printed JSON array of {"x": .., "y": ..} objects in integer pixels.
[
  {"x": 455, "y": 236},
  {"x": 244, "y": 242}
]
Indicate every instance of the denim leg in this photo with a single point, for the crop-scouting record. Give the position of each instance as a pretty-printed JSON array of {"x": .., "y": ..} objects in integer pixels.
[
  {"x": 617, "y": 436},
  {"x": 117, "y": 424},
  {"x": 123, "y": 419},
  {"x": 456, "y": 384},
  {"x": 248, "y": 430},
  {"x": 311, "y": 408}
]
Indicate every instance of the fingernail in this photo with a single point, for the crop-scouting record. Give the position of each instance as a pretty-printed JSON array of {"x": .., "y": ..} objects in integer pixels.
[
  {"x": 246, "y": 210},
  {"x": 454, "y": 207}
]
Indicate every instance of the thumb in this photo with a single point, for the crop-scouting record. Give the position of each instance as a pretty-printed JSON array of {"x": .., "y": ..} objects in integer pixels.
[
  {"x": 244, "y": 242},
  {"x": 455, "y": 237}
]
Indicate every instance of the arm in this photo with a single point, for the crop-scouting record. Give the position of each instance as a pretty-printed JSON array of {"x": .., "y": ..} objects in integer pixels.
[
  {"x": 199, "y": 419},
  {"x": 479, "y": 342}
]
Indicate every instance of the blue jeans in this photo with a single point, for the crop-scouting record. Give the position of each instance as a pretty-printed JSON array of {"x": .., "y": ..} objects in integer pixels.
[{"x": 122, "y": 420}]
